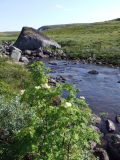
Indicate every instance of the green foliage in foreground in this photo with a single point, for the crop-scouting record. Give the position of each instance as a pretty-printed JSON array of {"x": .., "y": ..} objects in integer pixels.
[
  {"x": 36, "y": 128},
  {"x": 86, "y": 40}
]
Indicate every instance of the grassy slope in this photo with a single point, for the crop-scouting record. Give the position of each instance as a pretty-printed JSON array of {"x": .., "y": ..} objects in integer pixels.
[
  {"x": 12, "y": 76},
  {"x": 8, "y": 36},
  {"x": 84, "y": 40}
]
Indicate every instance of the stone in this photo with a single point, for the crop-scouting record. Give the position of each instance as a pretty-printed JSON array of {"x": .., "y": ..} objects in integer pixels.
[
  {"x": 110, "y": 126},
  {"x": 101, "y": 154},
  {"x": 24, "y": 59},
  {"x": 32, "y": 39},
  {"x": 56, "y": 100},
  {"x": 52, "y": 81},
  {"x": 27, "y": 52},
  {"x": 96, "y": 119},
  {"x": 53, "y": 63},
  {"x": 93, "y": 144},
  {"x": 13, "y": 48},
  {"x": 95, "y": 128},
  {"x": 15, "y": 55},
  {"x": 93, "y": 72},
  {"x": 118, "y": 81},
  {"x": 118, "y": 118}
]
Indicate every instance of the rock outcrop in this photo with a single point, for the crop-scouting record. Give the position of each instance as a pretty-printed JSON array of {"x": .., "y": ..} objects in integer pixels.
[{"x": 32, "y": 39}]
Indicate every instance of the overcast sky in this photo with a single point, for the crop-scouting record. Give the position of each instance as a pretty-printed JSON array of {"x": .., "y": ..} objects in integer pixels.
[{"x": 14, "y": 14}]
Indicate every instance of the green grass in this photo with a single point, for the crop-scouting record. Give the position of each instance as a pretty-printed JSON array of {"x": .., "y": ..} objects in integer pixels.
[
  {"x": 12, "y": 76},
  {"x": 84, "y": 40},
  {"x": 8, "y": 36}
]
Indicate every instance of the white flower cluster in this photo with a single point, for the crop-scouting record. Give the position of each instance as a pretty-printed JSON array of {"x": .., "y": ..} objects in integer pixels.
[
  {"x": 46, "y": 86},
  {"x": 82, "y": 97},
  {"x": 22, "y": 92},
  {"x": 37, "y": 87},
  {"x": 67, "y": 104}
]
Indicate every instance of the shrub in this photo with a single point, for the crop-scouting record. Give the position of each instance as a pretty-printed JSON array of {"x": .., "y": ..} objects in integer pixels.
[{"x": 55, "y": 132}]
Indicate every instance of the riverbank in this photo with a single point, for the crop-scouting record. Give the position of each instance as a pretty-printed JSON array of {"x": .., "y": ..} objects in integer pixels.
[
  {"x": 40, "y": 101},
  {"x": 94, "y": 42}
]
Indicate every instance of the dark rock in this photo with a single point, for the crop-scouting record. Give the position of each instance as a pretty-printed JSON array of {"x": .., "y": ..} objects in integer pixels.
[
  {"x": 110, "y": 126},
  {"x": 118, "y": 118},
  {"x": 52, "y": 82},
  {"x": 56, "y": 100},
  {"x": 32, "y": 39},
  {"x": 93, "y": 72},
  {"x": 101, "y": 154},
  {"x": 114, "y": 146},
  {"x": 118, "y": 82},
  {"x": 53, "y": 63},
  {"x": 60, "y": 79}
]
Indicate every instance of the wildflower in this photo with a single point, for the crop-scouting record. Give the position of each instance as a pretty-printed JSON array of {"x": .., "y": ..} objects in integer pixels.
[
  {"x": 46, "y": 86},
  {"x": 37, "y": 87},
  {"x": 22, "y": 92},
  {"x": 67, "y": 104},
  {"x": 82, "y": 97}
]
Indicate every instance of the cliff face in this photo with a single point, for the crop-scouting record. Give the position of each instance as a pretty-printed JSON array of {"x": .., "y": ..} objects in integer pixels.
[{"x": 32, "y": 39}]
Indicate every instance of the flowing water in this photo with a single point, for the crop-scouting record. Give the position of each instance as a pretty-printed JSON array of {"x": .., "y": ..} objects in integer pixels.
[{"x": 102, "y": 91}]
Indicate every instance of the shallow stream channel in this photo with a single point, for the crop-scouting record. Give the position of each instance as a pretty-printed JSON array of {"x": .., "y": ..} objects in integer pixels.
[{"x": 101, "y": 91}]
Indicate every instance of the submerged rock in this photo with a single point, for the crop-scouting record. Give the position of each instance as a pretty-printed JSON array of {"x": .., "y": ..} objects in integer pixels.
[
  {"x": 32, "y": 39},
  {"x": 93, "y": 72}
]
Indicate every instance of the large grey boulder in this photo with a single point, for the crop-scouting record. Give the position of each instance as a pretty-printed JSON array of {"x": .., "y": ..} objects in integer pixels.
[{"x": 32, "y": 39}]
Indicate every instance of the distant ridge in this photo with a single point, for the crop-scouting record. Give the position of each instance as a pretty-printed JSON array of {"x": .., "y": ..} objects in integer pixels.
[{"x": 47, "y": 27}]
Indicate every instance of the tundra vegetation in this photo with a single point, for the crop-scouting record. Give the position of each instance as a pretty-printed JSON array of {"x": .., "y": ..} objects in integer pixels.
[
  {"x": 33, "y": 125},
  {"x": 99, "y": 40}
]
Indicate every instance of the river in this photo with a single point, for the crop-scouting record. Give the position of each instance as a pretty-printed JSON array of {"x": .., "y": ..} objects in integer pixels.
[{"x": 102, "y": 91}]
